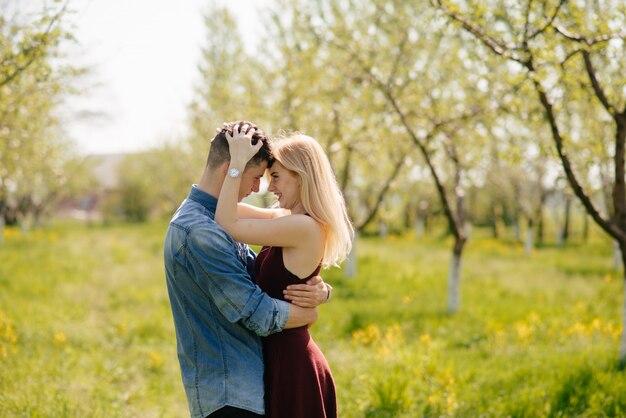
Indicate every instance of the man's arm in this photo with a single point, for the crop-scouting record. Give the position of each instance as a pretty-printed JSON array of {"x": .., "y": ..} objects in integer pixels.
[
  {"x": 310, "y": 294},
  {"x": 220, "y": 273},
  {"x": 299, "y": 317}
]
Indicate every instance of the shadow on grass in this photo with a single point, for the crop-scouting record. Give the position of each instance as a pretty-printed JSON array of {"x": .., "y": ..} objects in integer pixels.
[{"x": 585, "y": 391}]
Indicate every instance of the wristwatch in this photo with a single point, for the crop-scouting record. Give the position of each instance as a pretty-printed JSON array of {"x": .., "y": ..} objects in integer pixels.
[{"x": 234, "y": 172}]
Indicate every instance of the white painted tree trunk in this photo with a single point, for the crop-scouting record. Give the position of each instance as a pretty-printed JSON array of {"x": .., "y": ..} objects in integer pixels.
[
  {"x": 558, "y": 238},
  {"x": 419, "y": 227},
  {"x": 454, "y": 284},
  {"x": 349, "y": 266},
  {"x": 530, "y": 241},
  {"x": 617, "y": 256},
  {"x": 516, "y": 230},
  {"x": 469, "y": 229},
  {"x": 383, "y": 230},
  {"x": 622, "y": 346}
]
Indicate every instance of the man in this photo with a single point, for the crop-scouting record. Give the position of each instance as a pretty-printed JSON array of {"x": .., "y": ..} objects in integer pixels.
[{"x": 218, "y": 312}]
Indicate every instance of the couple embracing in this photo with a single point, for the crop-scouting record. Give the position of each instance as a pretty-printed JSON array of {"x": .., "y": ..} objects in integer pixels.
[{"x": 244, "y": 350}]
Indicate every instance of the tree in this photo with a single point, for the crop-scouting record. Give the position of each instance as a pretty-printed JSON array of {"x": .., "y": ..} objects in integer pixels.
[
  {"x": 33, "y": 148},
  {"x": 569, "y": 52},
  {"x": 416, "y": 73},
  {"x": 230, "y": 87},
  {"x": 314, "y": 92}
]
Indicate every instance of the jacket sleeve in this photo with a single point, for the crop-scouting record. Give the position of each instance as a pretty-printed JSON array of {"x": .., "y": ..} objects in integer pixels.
[{"x": 223, "y": 276}]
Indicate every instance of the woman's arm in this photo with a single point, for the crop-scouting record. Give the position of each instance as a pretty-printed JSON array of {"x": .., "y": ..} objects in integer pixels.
[
  {"x": 246, "y": 211},
  {"x": 285, "y": 231}
]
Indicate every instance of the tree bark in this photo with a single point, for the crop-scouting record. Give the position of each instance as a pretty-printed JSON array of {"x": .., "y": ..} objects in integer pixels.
[
  {"x": 617, "y": 255},
  {"x": 622, "y": 347},
  {"x": 565, "y": 232},
  {"x": 2, "y": 228},
  {"x": 454, "y": 278},
  {"x": 530, "y": 237}
]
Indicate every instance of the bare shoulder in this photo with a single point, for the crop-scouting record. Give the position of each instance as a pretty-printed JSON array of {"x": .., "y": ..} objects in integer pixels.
[
  {"x": 308, "y": 225},
  {"x": 307, "y": 222}
]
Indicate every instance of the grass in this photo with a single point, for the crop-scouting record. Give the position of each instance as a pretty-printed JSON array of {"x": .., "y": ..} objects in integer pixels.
[{"x": 86, "y": 328}]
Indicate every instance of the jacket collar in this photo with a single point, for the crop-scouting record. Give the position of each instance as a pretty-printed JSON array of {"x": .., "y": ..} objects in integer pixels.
[{"x": 207, "y": 200}]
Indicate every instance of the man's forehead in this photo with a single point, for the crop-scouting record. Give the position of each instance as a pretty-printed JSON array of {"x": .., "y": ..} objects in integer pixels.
[{"x": 257, "y": 169}]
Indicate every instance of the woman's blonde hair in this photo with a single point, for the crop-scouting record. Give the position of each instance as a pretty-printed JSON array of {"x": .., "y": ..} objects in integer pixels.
[{"x": 319, "y": 193}]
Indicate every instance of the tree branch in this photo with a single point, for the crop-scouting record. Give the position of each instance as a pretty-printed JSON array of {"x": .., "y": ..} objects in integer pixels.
[
  {"x": 550, "y": 21},
  {"x": 32, "y": 51},
  {"x": 567, "y": 167},
  {"x": 597, "y": 88},
  {"x": 453, "y": 220},
  {"x": 499, "y": 48},
  {"x": 373, "y": 209}
]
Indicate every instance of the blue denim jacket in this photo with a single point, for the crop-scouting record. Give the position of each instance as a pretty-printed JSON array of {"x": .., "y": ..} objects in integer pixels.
[{"x": 218, "y": 312}]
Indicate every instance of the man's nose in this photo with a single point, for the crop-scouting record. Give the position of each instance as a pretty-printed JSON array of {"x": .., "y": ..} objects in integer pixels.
[{"x": 255, "y": 186}]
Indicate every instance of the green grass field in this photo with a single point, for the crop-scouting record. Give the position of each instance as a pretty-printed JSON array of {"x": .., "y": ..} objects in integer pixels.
[{"x": 86, "y": 329}]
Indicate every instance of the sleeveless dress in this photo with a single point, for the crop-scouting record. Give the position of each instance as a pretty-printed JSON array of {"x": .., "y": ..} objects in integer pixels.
[{"x": 298, "y": 381}]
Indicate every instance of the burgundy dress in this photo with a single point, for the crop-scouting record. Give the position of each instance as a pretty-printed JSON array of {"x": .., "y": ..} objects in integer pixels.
[{"x": 298, "y": 382}]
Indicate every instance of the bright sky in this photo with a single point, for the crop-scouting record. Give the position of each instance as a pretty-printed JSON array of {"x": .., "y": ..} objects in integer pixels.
[{"x": 144, "y": 56}]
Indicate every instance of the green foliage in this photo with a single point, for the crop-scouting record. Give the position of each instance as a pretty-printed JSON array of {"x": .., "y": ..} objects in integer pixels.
[
  {"x": 152, "y": 184},
  {"x": 86, "y": 329},
  {"x": 36, "y": 165}
]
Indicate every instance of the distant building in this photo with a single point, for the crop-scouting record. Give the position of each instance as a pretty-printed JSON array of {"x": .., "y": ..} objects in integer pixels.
[{"x": 94, "y": 205}]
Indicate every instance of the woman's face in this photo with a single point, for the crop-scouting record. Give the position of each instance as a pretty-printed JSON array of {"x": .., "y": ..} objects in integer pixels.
[{"x": 285, "y": 185}]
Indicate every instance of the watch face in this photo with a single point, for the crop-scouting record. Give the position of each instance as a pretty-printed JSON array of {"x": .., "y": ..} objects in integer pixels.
[{"x": 233, "y": 172}]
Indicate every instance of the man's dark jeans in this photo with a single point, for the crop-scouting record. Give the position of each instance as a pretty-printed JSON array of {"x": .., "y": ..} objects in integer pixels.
[{"x": 230, "y": 412}]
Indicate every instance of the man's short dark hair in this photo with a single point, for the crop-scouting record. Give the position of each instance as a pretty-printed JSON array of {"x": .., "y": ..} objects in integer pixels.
[{"x": 219, "y": 153}]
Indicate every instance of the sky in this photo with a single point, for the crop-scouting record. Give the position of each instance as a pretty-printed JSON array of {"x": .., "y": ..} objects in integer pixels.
[{"x": 143, "y": 57}]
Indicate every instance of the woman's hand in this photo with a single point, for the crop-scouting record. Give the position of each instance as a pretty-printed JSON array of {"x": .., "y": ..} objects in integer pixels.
[{"x": 240, "y": 145}]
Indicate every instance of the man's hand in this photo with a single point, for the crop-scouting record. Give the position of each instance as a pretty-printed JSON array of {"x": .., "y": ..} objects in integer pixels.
[{"x": 309, "y": 295}]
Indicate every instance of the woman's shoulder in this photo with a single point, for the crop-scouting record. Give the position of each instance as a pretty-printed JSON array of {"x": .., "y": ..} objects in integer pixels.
[
  {"x": 309, "y": 226},
  {"x": 306, "y": 222}
]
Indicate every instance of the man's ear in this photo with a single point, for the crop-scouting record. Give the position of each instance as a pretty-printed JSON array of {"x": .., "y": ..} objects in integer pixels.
[{"x": 224, "y": 167}]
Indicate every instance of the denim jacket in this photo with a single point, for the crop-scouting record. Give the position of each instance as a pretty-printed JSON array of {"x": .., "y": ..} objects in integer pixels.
[{"x": 218, "y": 312}]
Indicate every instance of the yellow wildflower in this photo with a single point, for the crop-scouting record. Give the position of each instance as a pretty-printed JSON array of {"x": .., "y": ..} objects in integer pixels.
[
  {"x": 155, "y": 360},
  {"x": 524, "y": 331},
  {"x": 60, "y": 338}
]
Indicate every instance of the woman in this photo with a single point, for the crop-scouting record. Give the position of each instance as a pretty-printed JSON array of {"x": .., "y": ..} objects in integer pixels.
[{"x": 312, "y": 231}]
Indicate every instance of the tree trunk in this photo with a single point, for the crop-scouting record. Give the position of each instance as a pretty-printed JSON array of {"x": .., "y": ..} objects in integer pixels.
[
  {"x": 383, "y": 230},
  {"x": 498, "y": 224},
  {"x": 617, "y": 256},
  {"x": 420, "y": 226},
  {"x": 622, "y": 346},
  {"x": 538, "y": 214},
  {"x": 529, "y": 243},
  {"x": 558, "y": 232},
  {"x": 350, "y": 266},
  {"x": 615, "y": 224},
  {"x": 454, "y": 278},
  {"x": 566, "y": 222}
]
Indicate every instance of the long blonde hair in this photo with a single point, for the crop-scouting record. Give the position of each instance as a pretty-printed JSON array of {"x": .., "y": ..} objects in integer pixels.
[{"x": 319, "y": 193}]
